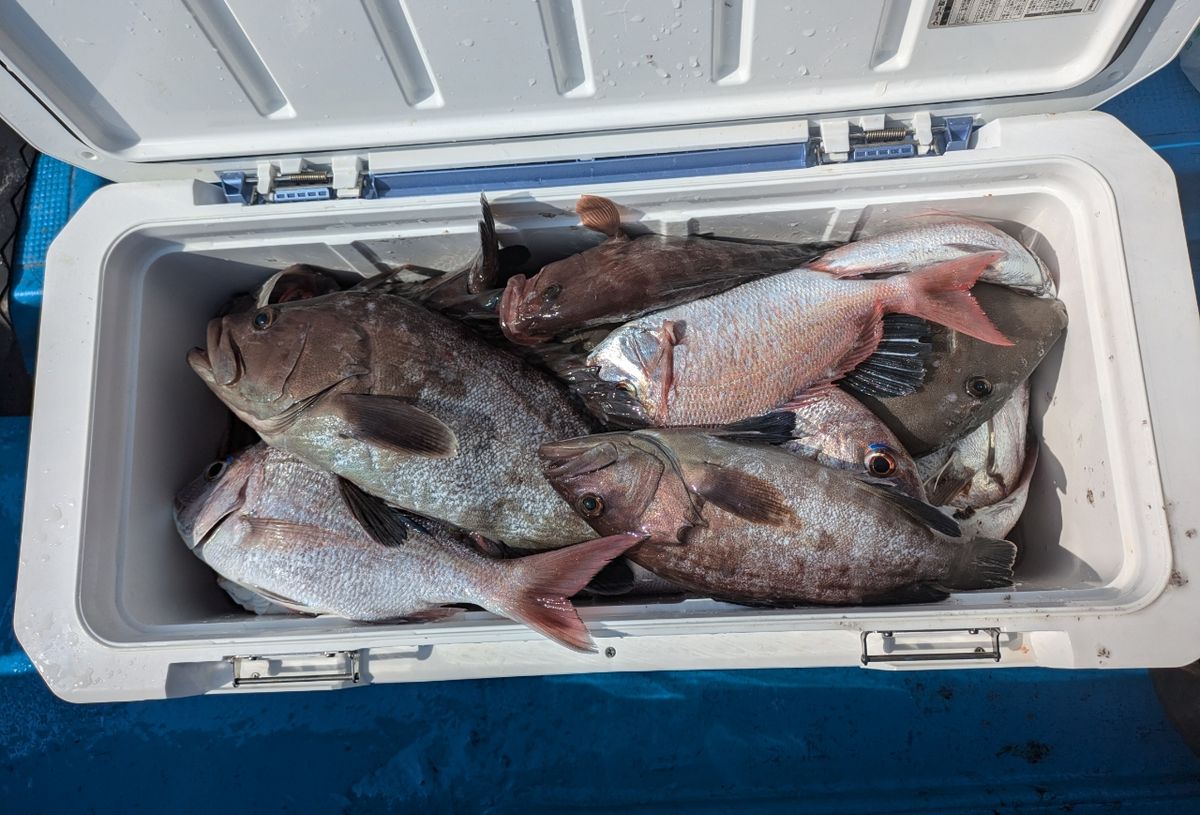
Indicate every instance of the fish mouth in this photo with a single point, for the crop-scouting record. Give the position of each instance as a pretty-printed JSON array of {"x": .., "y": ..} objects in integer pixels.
[
  {"x": 221, "y": 362},
  {"x": 515, "y": 326},
  {"x": 197, "y": 359},
  {"x": 571, "y": 458}
]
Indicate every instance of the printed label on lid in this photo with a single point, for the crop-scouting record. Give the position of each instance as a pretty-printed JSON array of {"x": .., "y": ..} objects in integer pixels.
[{"x": 973, "y": 12}]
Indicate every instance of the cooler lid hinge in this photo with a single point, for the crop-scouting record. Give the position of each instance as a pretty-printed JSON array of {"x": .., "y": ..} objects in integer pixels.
[
  {"x": 874, "y": 138},
  {"x": 294, "y": 180}
]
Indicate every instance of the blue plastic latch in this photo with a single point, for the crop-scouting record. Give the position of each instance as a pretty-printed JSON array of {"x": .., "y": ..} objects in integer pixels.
[
  {"x": 958, "y": 132},
  {"x": 237, "y": 190},
  {"x": 301, "y": 194},
  {"x": 882, "y": 151}
]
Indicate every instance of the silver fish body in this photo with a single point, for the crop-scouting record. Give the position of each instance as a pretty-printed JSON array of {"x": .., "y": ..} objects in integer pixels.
[
  {"x": 934, "y": 239},
  {"x": 272, "y": 524},
  {"x": 745, "y": 351}
]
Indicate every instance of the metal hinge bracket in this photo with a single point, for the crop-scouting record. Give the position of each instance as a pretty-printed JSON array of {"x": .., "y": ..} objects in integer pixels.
[{"x": 332, "y": 667}]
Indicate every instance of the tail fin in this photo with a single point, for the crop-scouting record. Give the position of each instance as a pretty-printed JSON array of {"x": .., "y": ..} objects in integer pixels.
[
  {"x": 985, "y": 563},
  {"x": 940, "y": 293},
  {"x": 545, "y": 581}
]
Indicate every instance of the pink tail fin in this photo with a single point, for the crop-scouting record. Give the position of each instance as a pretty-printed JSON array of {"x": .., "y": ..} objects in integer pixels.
[
  {"x": 547, "y": 580},
  {"x": 941, "y": 294}
]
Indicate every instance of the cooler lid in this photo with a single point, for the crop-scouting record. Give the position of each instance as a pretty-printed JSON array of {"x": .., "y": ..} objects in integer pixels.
[{"x": 176, "y": 88}]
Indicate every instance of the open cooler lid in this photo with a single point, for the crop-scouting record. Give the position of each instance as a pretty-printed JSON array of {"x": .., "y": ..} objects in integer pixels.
[{"x": 181, "y": 88}]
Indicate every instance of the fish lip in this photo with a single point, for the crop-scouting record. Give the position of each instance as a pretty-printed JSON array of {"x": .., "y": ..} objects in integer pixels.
[
  {"x": 515, "y": 327},
  {"x": 197, "y": 359}
]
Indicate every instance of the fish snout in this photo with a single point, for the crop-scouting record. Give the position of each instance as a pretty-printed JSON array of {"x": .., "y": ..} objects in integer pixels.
[
  {"x": 516, "y": 318},
  {"x": 575, "y": 457}
]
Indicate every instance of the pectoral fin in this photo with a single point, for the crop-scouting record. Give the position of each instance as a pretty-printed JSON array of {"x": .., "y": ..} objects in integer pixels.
[
  {"x": 394, "y": 423},
  {"x": 742, "y": 494}
]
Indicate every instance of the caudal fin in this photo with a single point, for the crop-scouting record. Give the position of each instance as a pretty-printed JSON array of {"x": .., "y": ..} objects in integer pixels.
[
  {"x": 941, "y": 294},
  {"x": 985, "y": 563},
  {"x": 545, "y": 582}
]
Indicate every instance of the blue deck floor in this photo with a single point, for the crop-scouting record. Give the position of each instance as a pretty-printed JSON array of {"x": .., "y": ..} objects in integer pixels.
[{"x": 846, "y": 741}]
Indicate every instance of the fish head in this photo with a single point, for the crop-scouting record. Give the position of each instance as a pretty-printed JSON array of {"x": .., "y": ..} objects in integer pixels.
[
  {"x": 630, "y": 367},
  {"x": 214, "y": 495},
  {"x": 622, "y": 482},
  {"x": 559, "y": 298},
  {"x": 892, "y": 463},
  {"x": 264, "y": 361}
]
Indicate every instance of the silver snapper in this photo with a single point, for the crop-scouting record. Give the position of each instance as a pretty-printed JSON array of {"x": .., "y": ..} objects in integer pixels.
[
  {"x": 748, "y": 350},
  {"x": 935, "y": 239},
  {"x": 983, "y": 478},
  {"x": 836, "y": 430},
  {"x": 291, "y": 534}
]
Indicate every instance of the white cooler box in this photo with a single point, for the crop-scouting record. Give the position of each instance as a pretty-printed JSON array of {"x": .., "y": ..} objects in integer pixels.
[{"x": 309, "y": 111}]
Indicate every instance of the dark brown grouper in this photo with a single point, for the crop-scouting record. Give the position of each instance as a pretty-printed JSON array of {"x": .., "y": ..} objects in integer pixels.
[
  {"x": 305, "y": 540},
  {"x": 755, "y": 524},
  {"x": 407, "y": 404},
  {"x": 626, "y": 277}
]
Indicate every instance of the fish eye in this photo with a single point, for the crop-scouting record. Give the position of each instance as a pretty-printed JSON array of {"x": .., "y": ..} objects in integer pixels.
[
  {"x": 979, "y": 387},
  {"x": 880, "y": 462},
  {"x": 264, "y": 318},
  {"x": 551, "y": 292},
  {"x": 591, "y": 505},
  {"x": 216, "y": 470}
]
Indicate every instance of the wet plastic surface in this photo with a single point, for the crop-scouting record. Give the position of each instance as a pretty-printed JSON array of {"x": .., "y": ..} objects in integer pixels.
[{"x": 763, "y": 741}]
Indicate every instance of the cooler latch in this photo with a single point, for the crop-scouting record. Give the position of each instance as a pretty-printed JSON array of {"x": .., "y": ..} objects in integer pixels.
[
  {"x": 337, "y": 668},
  {"x": 881, "y": 648}
]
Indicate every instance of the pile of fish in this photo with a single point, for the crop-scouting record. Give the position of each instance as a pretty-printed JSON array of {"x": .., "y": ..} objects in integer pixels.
[{"x": 763, "y": 423}]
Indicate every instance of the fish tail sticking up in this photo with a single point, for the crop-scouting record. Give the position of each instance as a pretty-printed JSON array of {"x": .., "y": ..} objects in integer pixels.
[
  {"x": 545, "y": 582},
  {"x": 984, "y": 563},
  {"x": 940, "y": 293}
]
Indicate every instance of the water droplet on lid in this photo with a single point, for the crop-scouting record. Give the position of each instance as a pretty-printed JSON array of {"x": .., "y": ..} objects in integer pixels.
[
  {"x": 532, "y": 82},
  {"x": 636, "y": 18},
  {"x": 791, "y": 51},
  {"x": 802, "y": 70},
  {"x": 808, "y": 32},
  {"x": 467, "y": 43}
]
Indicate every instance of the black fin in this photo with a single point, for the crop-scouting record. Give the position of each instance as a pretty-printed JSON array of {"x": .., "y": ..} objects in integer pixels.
[
  {"x": 744, "y": 495},
  {"x": 484, "y": 273},
  {"x": 396, "y": 424},
  {"x": 911, "y": 593},
  {"x": 614, "y": 579},
  {"x": 985, "y": 563},
  {"x": 385, "y": 524},
  {"x": 770, "y": 428},
  {"x": 931, "y": 516},
  {"x": 897, "y": 367}
]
